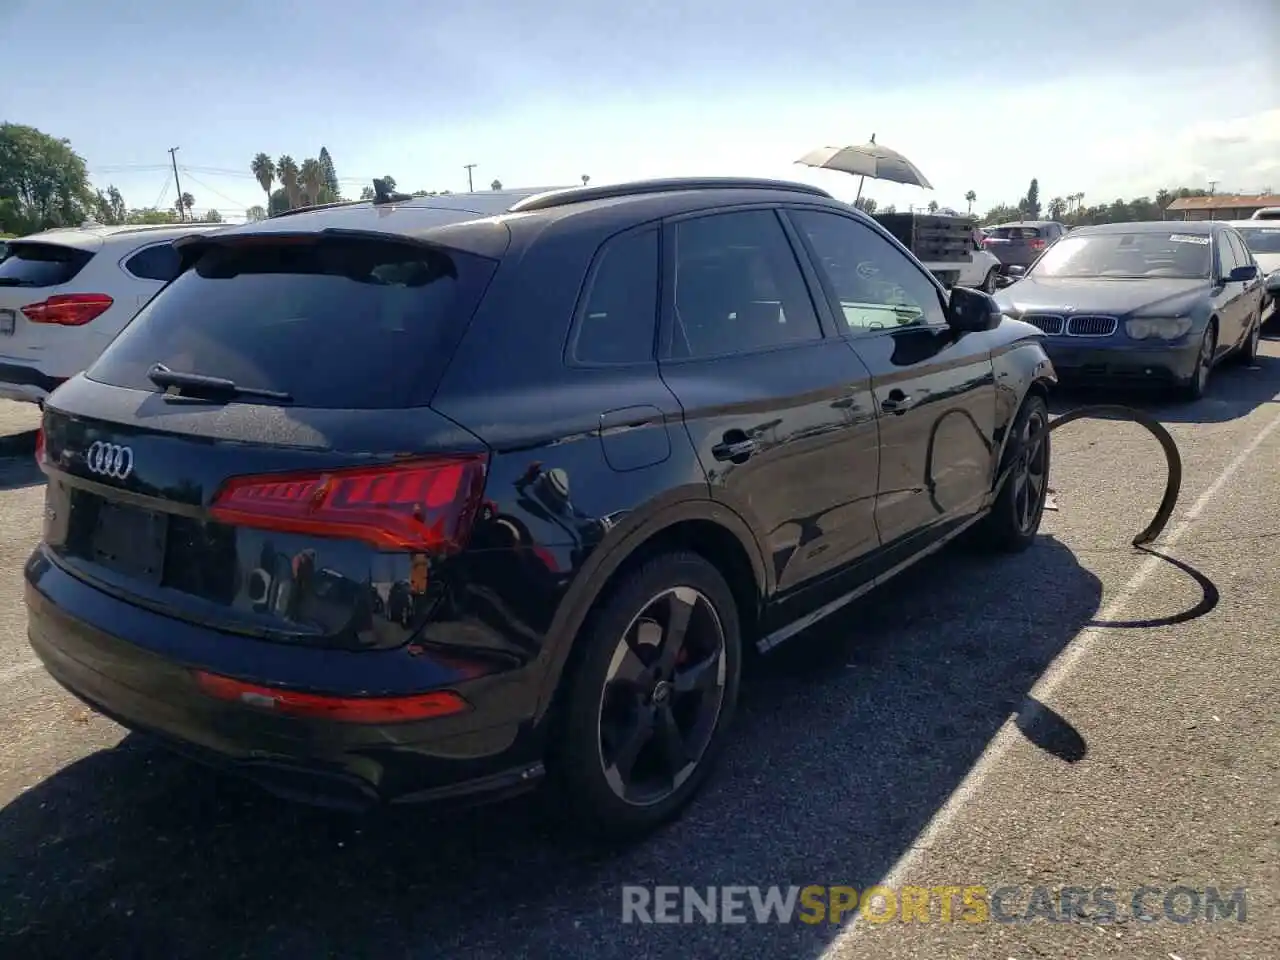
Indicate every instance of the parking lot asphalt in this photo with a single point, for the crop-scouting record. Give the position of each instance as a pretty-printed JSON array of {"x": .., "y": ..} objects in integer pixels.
[{"x": 1080, "y": 715}]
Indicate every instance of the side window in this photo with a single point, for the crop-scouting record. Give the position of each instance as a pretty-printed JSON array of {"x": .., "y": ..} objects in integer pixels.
[
  {"x": 1242, "y": 255},
  {"x": 738, "y": 287},
  {"x": 620, "y": 310},
  {"x": 159, "y": 262},
  {"x": 1226, "y": 256},
  {"x": 876, "y": 286}
]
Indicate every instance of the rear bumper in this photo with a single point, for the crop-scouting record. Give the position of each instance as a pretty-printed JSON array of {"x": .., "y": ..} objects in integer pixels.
[
  {"x": 118, "y": 671},
  {"x": 1127, "y": 364},
  {"x": 26, "y": 384}
]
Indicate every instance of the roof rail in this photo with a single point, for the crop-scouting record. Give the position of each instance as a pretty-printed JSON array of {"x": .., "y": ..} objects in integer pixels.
[
  {"x": 315, "y": 206},
  {"x": 559, "y": 198}
]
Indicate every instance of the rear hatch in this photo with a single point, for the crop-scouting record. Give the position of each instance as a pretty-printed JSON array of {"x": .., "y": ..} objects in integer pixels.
[
  {"x": 40, "y": 300},
  {"x": 254, "y": 454},
  {"x": 1015, "y": 246}
]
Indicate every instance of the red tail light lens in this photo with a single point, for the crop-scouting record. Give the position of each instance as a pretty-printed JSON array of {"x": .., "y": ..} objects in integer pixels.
[
  {"x": 1037, "y": 244},
  {"x": 40, "y": 445},
  {"x": 420, "y": 706},
  {"x": 69, "y": 309},
  {"x": 420, "y": 505}
]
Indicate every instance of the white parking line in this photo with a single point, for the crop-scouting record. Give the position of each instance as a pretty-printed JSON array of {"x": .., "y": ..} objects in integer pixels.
[{"x": 1007, "y": 736}]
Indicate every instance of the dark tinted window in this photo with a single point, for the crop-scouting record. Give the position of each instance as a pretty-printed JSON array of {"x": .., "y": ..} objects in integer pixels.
[
  {"x": 335, "y": 323},
  {"x": 159, "y": 262},
  {"x": 41, "y": 265},
  {"x": 619, "y": 314},
  {"x": 875, "y": 286},
  {"x": 738, "y": 287},
  {"x": 1175, "y": 253},
  {"x": 1014, "y": 233}
]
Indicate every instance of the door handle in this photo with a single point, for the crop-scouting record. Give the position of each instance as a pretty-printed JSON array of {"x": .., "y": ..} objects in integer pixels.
[
  {"x": 897, "y": 402},
  {"x": 735, "y": 450}
]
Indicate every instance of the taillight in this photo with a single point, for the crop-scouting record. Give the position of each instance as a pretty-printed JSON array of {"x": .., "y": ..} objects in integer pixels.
[
  {"x": 40, "y": 445},
  {"x": 1037, "y": 244},
  {"x": 418, "y": 505},
  {"x": 68, "y": 309},
  {"x": 420, "y": 706}
]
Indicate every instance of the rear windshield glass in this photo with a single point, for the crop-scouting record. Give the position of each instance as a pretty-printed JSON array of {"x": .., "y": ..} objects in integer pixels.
[
  {"x": 336, "y": 323},
  {"x": 1014, "y": 233},
  {"x": 1261, "y": 239},
  {"x": 41, "y": 265}
]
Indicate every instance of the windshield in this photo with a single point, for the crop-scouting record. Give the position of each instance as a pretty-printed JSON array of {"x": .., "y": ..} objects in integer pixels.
[
  {"x": 337, "y": 324},
  {"x": 1128, "y": 256},
  {"x": 1261, "y": 239}
]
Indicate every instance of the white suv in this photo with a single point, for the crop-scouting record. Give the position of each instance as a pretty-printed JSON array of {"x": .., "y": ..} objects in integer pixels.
[{"x": 64, "y": 294}]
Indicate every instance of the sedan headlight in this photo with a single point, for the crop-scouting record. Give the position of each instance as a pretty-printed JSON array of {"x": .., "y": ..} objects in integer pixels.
[{"x": 1159, "y": 328}]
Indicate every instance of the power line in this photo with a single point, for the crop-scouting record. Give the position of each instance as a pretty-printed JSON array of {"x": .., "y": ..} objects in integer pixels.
[
  {"x": 236, "y": 204},
  {"x": 164, "y": 191}
]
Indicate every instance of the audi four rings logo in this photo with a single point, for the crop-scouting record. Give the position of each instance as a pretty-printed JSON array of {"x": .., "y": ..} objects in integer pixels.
[{"x": 109, "y": 460}]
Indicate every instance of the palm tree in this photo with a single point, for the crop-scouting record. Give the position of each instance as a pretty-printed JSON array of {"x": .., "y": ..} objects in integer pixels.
[
  {"x": 287, "y": 172},
  {"x": 585, "y": 179},
  {"x": 184, "y": 204},
  {"x": 311, "y": 176},
  {"x": 265, "y": 172},
  {"x": 970, "y": 197},
  {"x": 496, "y": 185}
]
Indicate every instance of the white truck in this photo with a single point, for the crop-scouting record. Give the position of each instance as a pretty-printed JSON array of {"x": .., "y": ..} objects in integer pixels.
[{"x": 949, "y": 246}]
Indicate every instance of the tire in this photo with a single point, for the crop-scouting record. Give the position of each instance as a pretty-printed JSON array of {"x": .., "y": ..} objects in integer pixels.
[
  {"x": 1248, "y": 353},
  {"x": 1194, "y": 389},
  {"x": 1014, "y": 520},
  {"x": 619, "y": 689},
  {"x": 989, "y": 281}
]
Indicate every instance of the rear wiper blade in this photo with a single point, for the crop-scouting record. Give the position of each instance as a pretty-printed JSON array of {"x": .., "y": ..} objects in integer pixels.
[{"x": 196, "y": 383}]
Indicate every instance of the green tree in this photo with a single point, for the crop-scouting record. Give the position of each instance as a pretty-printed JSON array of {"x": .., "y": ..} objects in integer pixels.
[
  {"x": 366, "y": 193},
  {"x": 391, "y": 183},
  {"x": 213, "y": 216},
  {"x": 496, "y": 185},
  {"x": 311, "y": 177},
  {"x": 255, "y": 213},
  {"x": 330, "y": 174},
  {"x": 933, "y": 206},
  {"x": 109, "y": 207},
  {"x": 1030, "y": 204},
  {"x": 265, "y": 172},
  {"x": 287, "y": 174},
  {"x": 184, "y": 204},
  {"x": 865, "y": 204},
  {"x": 970, "y": 196},
  {"x": 150, "y": 215},
  {"x": 43, "y": 182},
  {"x": 279, "y": 202},
  {"x": 1057, "y": 208}
]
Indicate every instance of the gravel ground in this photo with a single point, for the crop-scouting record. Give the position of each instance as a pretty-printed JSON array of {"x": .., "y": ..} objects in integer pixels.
[{"x": 972, "y": 725}]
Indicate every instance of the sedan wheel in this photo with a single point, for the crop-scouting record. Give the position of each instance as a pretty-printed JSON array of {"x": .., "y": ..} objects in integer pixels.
[{"x": 1031, "y": 474}]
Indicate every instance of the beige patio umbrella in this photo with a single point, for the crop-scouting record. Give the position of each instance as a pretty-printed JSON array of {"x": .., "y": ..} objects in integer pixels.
[{"x": 867, "y": 160}]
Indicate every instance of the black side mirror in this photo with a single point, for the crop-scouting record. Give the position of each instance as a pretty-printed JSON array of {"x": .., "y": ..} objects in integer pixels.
[
  {"x": 1017, "y": 270},
  {"x": 1242, "y": 274},
  {"x": 972, "y": 311}
]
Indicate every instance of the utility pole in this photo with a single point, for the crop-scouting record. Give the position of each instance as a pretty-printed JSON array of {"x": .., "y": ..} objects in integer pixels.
[
  {"x": 469, "y": 167},
  {"x": 173, "y": 155}
]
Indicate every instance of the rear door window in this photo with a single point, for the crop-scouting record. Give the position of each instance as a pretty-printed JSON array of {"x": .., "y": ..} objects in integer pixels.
[
  {"x": 333, "y": 322},
  {"x": 158, "y": 262},
  {"x": 738, "y": 287},
  {"x": 41, "y": 265},
  {"x": 620, "y": 311}
]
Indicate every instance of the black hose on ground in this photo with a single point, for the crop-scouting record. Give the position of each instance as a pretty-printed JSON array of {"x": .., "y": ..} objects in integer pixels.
[{"x": 1173, "y": 459}]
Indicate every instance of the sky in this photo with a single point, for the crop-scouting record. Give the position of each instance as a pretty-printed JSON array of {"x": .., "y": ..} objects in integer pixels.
[{"x": 1105, "y": 98}]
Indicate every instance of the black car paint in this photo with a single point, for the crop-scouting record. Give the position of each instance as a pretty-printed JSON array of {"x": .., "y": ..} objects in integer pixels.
[{"x": 589, "y": 467}]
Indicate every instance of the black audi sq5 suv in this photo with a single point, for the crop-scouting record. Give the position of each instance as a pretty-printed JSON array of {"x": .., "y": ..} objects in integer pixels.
[{"x": 447, "y": 497}]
